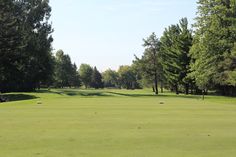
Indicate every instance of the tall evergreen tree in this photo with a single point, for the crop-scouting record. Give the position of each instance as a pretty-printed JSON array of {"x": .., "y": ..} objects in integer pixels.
[
  {"x": 11, "y": 41},
  {"x": 96, "y": 80},
  {"x": 75, "y": 78},
  {"x": 175, "y": 46},
  {"x": 213, "y": 51}
]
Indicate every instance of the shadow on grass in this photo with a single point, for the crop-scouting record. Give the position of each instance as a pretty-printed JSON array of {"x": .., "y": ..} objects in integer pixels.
[
  {"x": 50, "y": 91},
  {"x": 160, "y": 95},
  {"x": 74, "y": 93},
  {"x": 132, "y": 95},
  {"x": 87, "y": 93},
  {"x": 98, "y": 93},
  {"x": 104, "y": 93},
  {"x": 17, "y": 97}
]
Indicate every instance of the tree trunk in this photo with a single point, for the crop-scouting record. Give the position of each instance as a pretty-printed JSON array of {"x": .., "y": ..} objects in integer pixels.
[
  {"x": 162, "y": 87},
  {"x": 186, "y": 89},
  {"x": 153, "y": 89},
  {"x": 203, "y": 94},
  {"x": 156, "y": 85},
  {"x": 177, "y": 89},
  {"x": 191, "y": 90}
]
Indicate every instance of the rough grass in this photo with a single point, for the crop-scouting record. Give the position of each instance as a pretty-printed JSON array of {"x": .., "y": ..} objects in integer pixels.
[{"x": 117, "y": 123}]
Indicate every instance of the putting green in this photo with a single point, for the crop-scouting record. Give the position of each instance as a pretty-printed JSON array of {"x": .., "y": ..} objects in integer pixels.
[{"x": 117, "y": 123}]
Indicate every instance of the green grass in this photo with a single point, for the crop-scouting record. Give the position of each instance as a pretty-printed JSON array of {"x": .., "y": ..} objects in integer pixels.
[{"x": 117, "y": 123}]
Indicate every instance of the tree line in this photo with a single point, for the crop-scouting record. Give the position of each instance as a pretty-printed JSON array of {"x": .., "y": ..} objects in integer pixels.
[
  {"x": 26, "y": 59},
  {"x": 190, "y": 60},
  {"x": 184, "y": 60},
  {"x": 66, "y": 74}
]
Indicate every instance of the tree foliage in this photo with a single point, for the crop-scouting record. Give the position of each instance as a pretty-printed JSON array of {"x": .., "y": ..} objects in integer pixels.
[
  {"x": 110, "y": 79},
  {"x": 66, "y": 74},
  {"x": 213, "y": 51},
  {"x": 86, "y": 72},
  {"x": 175, "y": 46},
  {"x": 181, "y": 60},
  {"x": 96, "y": 80},
  {"x": 149, "y": 63},
  {"x": 127, "y": 77},
  {"x": 25, "y": 45}
]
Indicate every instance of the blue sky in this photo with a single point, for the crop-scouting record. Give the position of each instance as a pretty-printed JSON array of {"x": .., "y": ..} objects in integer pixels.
[{"x": 107, "y": 33}]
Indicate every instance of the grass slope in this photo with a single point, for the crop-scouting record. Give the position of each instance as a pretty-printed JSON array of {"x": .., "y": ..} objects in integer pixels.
[{"x": 117, "y": 123}]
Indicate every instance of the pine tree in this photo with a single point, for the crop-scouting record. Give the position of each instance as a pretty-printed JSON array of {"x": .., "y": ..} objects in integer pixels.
[
  {"x": 74, "y": 77},
  {"x": 174, "y": 52},
  {"x": 213, "y": 51},
  {"x": 11, "y": 41},
  {"x": 96, "y": 79}
]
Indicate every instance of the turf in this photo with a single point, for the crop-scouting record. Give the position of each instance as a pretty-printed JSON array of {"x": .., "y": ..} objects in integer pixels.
[{"x": 117, "y": 123}]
